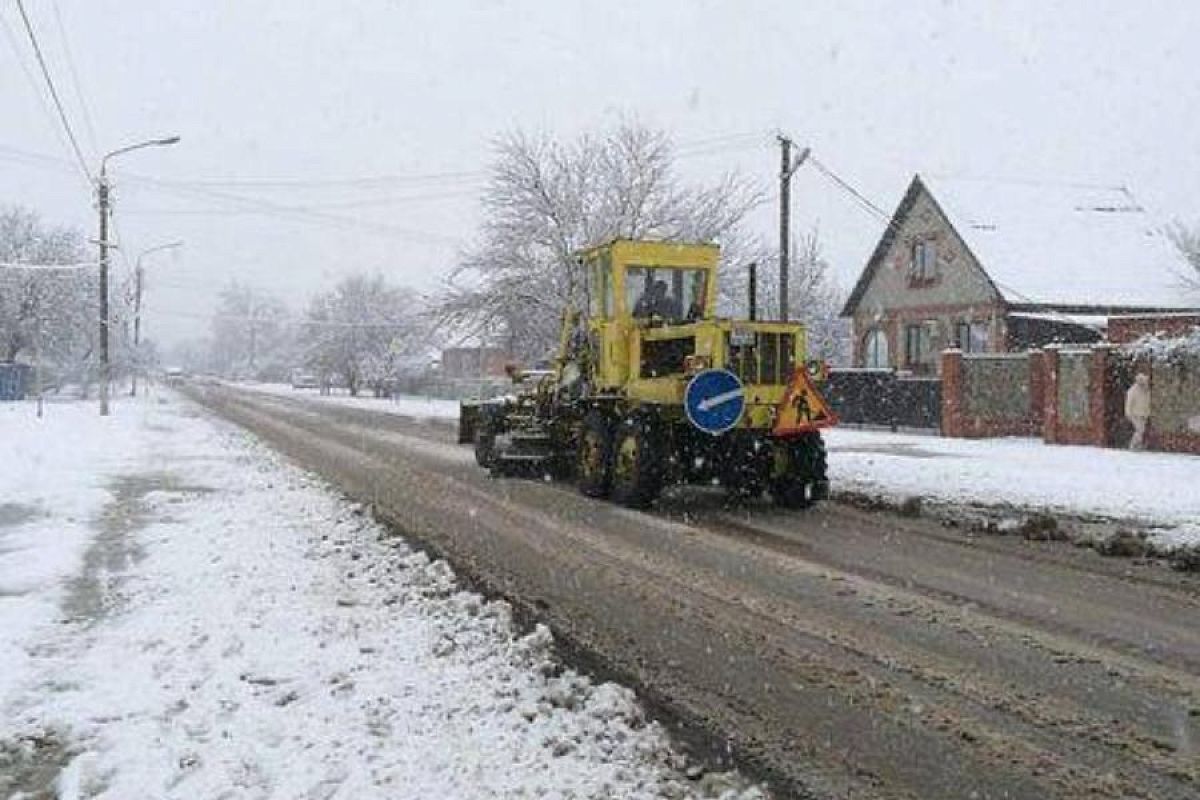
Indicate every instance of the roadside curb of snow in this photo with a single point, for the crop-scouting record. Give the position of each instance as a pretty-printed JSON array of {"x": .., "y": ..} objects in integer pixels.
[
  {"x": 1178, "y": 547},
  {"x": 571, "y": 678},
  {"x": 710, "y": 760}
]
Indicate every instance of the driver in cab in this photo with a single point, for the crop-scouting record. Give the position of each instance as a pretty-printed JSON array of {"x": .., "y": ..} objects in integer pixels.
[{"x": 656, "y": 302}]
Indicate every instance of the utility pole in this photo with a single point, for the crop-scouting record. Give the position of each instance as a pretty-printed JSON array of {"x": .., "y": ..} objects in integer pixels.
[
  {"x": 102, "y": 196},
  {"x": 253, "y": 335},
  {"x": 137, "y": 327},
  {"x": 787, "y": 168},
  {"x": 139, "y": 272}
]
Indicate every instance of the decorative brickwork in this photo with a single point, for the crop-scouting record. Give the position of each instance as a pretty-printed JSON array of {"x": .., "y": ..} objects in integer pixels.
[{"x": 992, "y": 395}]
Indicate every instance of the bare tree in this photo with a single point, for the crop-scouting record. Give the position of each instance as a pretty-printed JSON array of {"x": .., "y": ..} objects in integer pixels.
[
  {"x": 815, "y": 298},
  {"x": 546, "y": 200},
  {"x": 362, "y": 331},
  {"x": 251, "y": 337}
]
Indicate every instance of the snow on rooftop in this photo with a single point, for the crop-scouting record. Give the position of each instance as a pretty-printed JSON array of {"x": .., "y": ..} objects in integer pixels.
[
  {"x": 1096, "y": 321},
  {"x": 1060, "y": 244}
]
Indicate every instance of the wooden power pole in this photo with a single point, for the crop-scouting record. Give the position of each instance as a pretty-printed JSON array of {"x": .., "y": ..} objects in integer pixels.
[{"x": 787, "y": 168}]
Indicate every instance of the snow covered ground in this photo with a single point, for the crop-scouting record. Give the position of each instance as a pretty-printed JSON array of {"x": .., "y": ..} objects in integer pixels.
[
  {"x": 405, "y": 405},
  {"x": 184, "y": 615},
  {"x": 1157, "y": 489}
]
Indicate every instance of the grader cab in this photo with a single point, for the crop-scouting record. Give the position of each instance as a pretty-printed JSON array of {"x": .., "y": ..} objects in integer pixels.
[{"x": 650, "y": 388}]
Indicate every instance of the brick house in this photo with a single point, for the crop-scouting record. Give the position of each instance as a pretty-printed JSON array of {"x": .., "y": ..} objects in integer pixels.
[
  {"x": 1007, "y": 266},
  {"x": 474, "y": 362}
]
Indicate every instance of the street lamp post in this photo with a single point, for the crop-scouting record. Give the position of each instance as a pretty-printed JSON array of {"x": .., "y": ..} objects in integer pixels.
[
  {"x": 102, "y": 196},
  {"x": 137, "y": 310}
]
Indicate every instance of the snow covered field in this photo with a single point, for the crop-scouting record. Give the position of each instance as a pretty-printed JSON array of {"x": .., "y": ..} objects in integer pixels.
[
  {"x": 405, "y": 405},
  {"x": 183, "y": 615},
  {"x": 1159, "y": 489}
]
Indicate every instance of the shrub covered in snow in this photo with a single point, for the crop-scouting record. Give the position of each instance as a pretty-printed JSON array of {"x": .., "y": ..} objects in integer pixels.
[{"x": 1172, "y": 349}]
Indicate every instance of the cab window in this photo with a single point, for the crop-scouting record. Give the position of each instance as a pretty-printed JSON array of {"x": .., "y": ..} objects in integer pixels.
[{"x": 672, "y": 294}]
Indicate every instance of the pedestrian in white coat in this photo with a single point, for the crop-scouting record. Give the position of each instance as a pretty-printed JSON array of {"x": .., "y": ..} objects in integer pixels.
[{"x": 1137, "y": 410}]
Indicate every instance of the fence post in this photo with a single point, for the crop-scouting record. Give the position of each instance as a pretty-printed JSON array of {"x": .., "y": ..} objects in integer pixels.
[
  {"x": 1098, "y": 391},
  {"x": 1037, "y": 391},
  {"x": 952, "y": 380},
  {"x": 1050, "y": 394}
]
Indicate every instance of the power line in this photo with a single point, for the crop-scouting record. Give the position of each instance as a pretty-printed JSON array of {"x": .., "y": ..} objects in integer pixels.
[
  {"x": 19, "y": 265},
  {"x": 75, "y": 82},
  {"x": 270, "y": 208},
  {"x": 366, "y": 203},
  {"x": 62, "y": 114},
  {"x": 373, "y": 181},
  {"x": 831, "y": 175},
  {"x": 18, "y": 52},
  {"x": 299, "y": 212},
  {"x": 283, "y": 321}
]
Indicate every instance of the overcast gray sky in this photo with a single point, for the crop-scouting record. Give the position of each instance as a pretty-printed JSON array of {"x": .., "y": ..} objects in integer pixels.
[{"x": 307, "y": 94}]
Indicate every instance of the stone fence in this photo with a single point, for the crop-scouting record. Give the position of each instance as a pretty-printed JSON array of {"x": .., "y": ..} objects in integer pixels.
[
  {"x": 998, "y": 394},
  {"x": 1070, "y": 396}
]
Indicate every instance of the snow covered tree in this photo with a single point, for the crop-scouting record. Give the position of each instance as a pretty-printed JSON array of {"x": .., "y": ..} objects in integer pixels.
[
  {"x": 1187, "y": 242},
  {"x": 362, "y": 331},
  {"x": 46, "y": 313},
  {"x": 816, "y": 300},
  {"x": 546, "y": 200},
  {"x": 251, "y": 337}
]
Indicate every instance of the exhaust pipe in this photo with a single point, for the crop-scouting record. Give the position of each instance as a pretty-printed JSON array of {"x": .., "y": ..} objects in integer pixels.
[{"x": 752, "y": 289}]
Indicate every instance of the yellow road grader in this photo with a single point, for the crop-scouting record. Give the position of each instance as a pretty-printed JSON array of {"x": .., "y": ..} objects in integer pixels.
[{"x": 651, "y": 388}]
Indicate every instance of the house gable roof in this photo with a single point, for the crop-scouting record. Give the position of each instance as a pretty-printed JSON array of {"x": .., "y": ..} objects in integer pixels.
[
  {"x": 881, "y": 248},
  {"x": 1052, "y": 245}
]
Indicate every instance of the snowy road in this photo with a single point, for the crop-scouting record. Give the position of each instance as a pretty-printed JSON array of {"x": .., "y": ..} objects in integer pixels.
[{"x": 839, "y": 652}]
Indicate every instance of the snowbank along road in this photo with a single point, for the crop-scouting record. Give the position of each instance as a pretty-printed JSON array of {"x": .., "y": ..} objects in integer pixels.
[
  {"x": 183, "y": 616},
  {"x": 836, "y": 652}
]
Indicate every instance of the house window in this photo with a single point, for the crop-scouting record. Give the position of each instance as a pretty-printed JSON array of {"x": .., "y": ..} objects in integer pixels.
[
  {"x": 971, "y": 337},
  {"x": 875, "y": 349},
  {"x": 918, "y": 346},
  {"x": 924, "y": 261}
]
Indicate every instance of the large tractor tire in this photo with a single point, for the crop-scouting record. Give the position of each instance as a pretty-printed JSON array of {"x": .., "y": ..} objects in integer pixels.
[
  {"x": 593, "y": 466},
  {"x": 800, "y": 475},
  {"x": 485, "y": 443},
  {"x": 637, "y": 475}
]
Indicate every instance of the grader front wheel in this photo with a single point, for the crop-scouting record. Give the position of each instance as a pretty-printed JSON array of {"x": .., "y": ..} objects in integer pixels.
[{"x": 594, "y": 463}]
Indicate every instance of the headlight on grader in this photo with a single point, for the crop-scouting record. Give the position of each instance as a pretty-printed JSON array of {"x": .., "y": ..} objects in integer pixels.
[{"x": 693, "y": 364}]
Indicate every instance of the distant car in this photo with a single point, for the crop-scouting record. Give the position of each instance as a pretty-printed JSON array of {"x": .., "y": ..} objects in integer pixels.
[
  {"x": 174, "y": 375},
  {"x": 304, "y": 380}
]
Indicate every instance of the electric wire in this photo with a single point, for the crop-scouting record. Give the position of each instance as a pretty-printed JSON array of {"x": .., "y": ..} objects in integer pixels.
[
  {"x": 75, "y": 265},
  {"x": 74, "y": 75},
  {"x": 267, "y": 207},
  {"x": 62, "y": 114},
  {"x": 843, "y": 184},
  {"x": 34, "y": 83}
]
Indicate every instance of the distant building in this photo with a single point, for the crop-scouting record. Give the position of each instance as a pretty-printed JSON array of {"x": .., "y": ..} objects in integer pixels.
[
  {"x": 1006, "y": 266},
  {"x": 474, "y": 362}
]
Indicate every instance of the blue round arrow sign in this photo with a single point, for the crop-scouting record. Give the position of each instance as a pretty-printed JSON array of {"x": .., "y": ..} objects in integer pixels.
[{"x": 714, "y": 400}]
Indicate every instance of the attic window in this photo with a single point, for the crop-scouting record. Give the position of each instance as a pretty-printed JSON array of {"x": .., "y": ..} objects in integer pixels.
[{"x": 924, "y": 261}]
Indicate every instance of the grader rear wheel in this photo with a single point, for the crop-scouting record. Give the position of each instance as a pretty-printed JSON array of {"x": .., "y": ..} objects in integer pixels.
[
  {"x": 594, "y": 462},
  {"x": 637, "y": 468}
]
